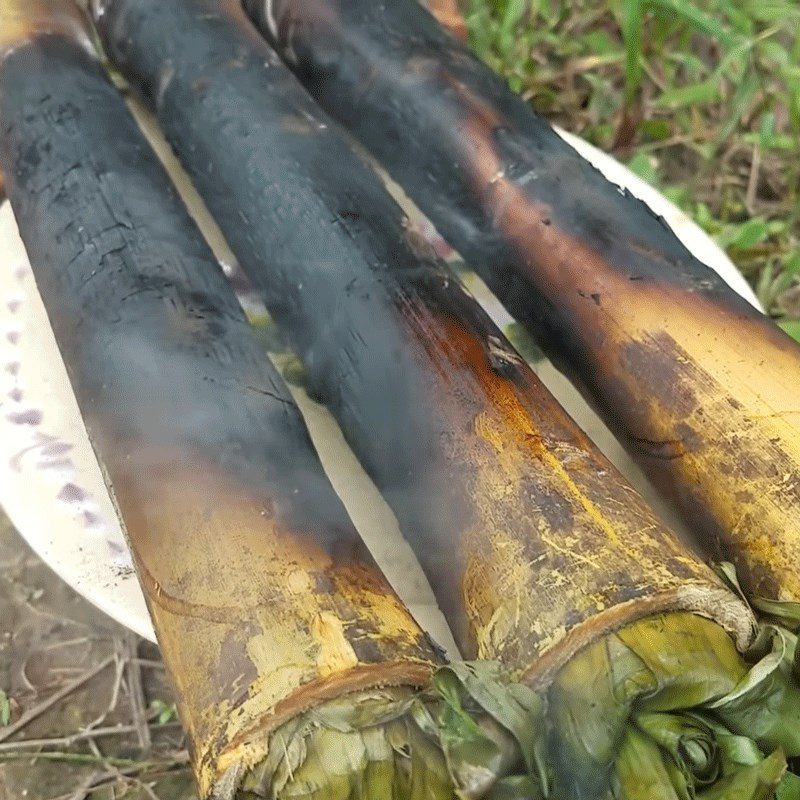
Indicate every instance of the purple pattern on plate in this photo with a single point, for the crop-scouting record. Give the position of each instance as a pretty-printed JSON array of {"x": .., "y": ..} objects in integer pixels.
[{"x": 32, "y": 416}]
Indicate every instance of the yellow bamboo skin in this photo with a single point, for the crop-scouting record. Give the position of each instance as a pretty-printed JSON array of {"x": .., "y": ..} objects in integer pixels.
[
  {"x": 554, "y": 547},
  {"x": 723, "y": 435},
  {"x": 726, "y": 444},
  {"x": 533, "y": 542},
  {"x": 256, "y": 622},
  {"x": 702, "y": 392}
]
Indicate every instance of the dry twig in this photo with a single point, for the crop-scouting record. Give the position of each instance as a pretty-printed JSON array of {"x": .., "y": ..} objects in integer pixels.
[
  {"x": 136, "y": 693},
  {"x": 40, "y": 709}
]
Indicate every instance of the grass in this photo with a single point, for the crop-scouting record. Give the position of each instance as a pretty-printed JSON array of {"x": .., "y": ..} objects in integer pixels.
[{"x": 699, "y": 97}]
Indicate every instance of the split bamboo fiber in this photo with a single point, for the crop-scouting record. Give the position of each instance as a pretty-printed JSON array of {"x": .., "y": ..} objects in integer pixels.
[
  {"x": 533, "y": 542},
  {"x": 698, "y": 385},
  {"x": 264, "y": 598}
]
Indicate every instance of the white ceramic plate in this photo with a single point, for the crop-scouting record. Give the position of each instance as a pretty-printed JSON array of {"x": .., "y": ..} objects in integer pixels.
[{"x": 50, "y": 483}]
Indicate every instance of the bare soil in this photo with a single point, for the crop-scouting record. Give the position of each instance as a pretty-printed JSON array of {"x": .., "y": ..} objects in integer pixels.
[{"x": 84, "y": 696}]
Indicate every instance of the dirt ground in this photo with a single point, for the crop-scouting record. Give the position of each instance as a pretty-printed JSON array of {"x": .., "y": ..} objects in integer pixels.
[{"x": 87, "y": 710}]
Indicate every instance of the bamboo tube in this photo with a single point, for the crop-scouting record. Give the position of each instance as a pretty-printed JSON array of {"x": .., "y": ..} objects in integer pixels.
[
  {"x": 270, "y": 612},
  {"x": 540, "y": 554},
  {"x": 329, "y": 249},
  {"x": 698, "y": 385},
  {"x": 536, "y": 547}
]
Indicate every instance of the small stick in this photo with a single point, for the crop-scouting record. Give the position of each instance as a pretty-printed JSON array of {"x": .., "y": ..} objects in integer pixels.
[
  {"x": 136, "y": 692},
  {"x": 114, "y": 770},
  {"x": 89, "y": 758},
  {"x": 37, "y": 711},
  {"x": 148, "y": 663},
  {"x": 106, "y": 778},
  {"x": 752, "y": 183},
  {"x": 85, "y": 787},
  {"x": 119, "y": 673},
  {"x": 67, "y": 741}
]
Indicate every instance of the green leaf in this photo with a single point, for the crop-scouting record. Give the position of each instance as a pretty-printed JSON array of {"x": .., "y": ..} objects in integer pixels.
[
  {"x": 758, "y": 782},
  {"x": 775, "y": 52},
  {"x": 743, "y": 236},
  {"x": 518, "y": 787},
  {"x": 777, "y": 142},
  {"x": 740, "y": 105},
  {"x": 792, "y": 327},
  {"x": 694, "y": 94},
  {"x": 670, "y": 704},
  {"x": 784, "y": 611},
  {"x": 589, "y": 704},
  {"x": 792, "y": 266},
  {"x": 771, "y": 11},
  {"x": 694, "y": 661},
  {"x": 632, "y": 36},
  {"x": 598, "y": 42},
  {"x": 482, "y": 750},
  {"x": 641, "y": 771},
  {"x": 644, "y": 166},
  {"x": 679, "y": 195},
  {"x": 736, "y": 751},
  {"x": 704, "y": 218},
  {"x": 691, "y": 743},
  {"x": 356, "y": 747},
  {"x": 167, "y": 712},
  {"x": 692, "y": 64},
  {"x": 691, "y": 13},
  {"x": 767, "y": 126},
  {"x": 765, "y": 704},
  {"x": 740, "y": 20},
  {"x": 5, "y": 709},
  {"x": 657, "y": 130},
  {"x": 776, "y": 227},
  {"x": 514, "y": 12},
  {"x": 788, "y": 788}
]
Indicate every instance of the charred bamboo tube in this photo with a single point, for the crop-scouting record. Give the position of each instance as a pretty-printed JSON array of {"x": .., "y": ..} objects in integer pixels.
[
  {"x": 536, "y": 547},
  {"x": 476, "y": 442},
  {"x": 698, "y": 385},
  {"x": 271, "y": 615}
]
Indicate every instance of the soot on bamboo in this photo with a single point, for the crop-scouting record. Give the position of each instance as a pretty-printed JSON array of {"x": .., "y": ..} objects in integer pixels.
[
  {"x": 638, "y": 323},
  {"x": 534, "y": 544},
  {"x": 264, "y": 598}
]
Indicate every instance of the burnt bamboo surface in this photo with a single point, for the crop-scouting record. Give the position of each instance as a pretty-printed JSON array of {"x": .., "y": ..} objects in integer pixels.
[
  {"x": 263, "y": 595},
  {"x": 698, "y": 385},
  {"x": 533, "y": 543}
]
